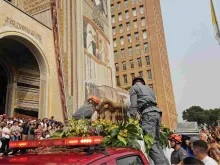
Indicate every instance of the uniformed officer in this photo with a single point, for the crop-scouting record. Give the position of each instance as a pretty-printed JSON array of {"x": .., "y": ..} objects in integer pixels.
[
  {"x": 144, "y": 107},
  {"x": 88, "y": 109},
  {"x": 179, "y": 153}
]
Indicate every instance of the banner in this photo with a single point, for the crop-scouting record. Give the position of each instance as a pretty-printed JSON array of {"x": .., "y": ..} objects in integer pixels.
[{"x": 215, "y": 23}]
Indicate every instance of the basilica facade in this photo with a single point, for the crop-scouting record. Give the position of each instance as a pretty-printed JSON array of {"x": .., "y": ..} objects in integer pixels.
[{"x": 53, "y": 55}]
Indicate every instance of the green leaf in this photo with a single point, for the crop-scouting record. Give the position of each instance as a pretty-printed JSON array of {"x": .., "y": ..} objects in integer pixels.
[
  {"x": 149, "y": 139},
  {"x": 120, "y": 144},
  {"x": 106, "y": 139},
  {"x": 132, "y": 128},
  {"x": 115, "y": 142},
  {"x": 114, "y": 132},
  {"x": 122, "y": 140}
]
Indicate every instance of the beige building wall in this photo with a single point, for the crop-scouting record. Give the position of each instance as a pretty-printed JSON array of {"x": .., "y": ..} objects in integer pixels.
[
  {"x": 38, "y": 38},
  {"x": 140, "y": 50},
  {"x": 87, "y": 60},
  {"x": 36, "y": 8}
]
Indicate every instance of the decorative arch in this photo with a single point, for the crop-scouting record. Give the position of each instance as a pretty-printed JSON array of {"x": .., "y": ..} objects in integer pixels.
[{"x": 34, "y": 46}]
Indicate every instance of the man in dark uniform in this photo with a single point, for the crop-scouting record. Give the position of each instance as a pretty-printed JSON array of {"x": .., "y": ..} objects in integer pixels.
[
  {"x": 144, "y": 107},
  {"x": 179, "y": 154}
]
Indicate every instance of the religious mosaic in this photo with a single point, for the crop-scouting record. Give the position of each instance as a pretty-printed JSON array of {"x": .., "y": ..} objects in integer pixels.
[{"x": 95, "y": 43}]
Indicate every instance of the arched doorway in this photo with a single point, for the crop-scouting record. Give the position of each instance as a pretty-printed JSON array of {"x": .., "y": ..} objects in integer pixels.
[
  {"x": 3, "y": 89},
  {"x": 23, "y": 76}
]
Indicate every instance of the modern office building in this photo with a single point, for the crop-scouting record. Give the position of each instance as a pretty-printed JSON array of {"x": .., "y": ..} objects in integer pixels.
[{"x": 140, "y": 50}]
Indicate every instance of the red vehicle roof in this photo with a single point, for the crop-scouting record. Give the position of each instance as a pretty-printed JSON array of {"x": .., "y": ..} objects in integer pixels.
[{"x": 65, "y": 158}]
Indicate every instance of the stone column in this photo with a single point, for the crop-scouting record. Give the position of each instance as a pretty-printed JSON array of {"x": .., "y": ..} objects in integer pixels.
[
  {"x": 43, "y": 111},
  {"x": 10, "y": 99}
]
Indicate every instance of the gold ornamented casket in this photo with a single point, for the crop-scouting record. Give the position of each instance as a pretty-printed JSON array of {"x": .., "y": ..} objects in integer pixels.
[{"x": 112, "y": 106}]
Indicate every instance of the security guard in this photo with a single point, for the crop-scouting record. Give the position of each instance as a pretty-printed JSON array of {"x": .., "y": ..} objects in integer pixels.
[
  {"x": 144, "y": 107},
  {"x": 88, "y": 109},
  {"x": 179, "y": 153}
]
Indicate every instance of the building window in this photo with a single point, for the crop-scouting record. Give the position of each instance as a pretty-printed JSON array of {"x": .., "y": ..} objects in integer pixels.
[
  {"x": 142, "y": 9},
  {"x": 122, "y": 40},
  {"x": 129, "y": 38},
  {"x": 132, "y": 76},
  {"x": 116, "y": 55},
  {"x": 131, "y": 63},
  {"x": 124, "y": 65},
  {"x": 112, "y": 8},
  {"x": 116, "y": 67},
  {"x": 121, "y": 28},
  {"x": 113, "y": 19},
  {"x": 139, "y": 62},
  {"x": 138, "y": 49},
  {"x": 119, "y": 17},
  {"x": 140, "y": 74},
  {"x": 127, "y": 14},
  {"x": 128, "y": 26},
  {"x": 133, "y": 2},
  {"x": 147, "y": 60},
  {"x": 125, "y": 79},
  {"x": 115, "y": 43},
  {"x": 134, "y": 12},
  {"x": 119, "y": 5},
  {"x": 126, "y": 3},
  {"x": 135, "y": 24},
  {"x": 117, "y": 80},
  {"x": 146, "y": 47},
  {"x": 149, "y": 74},
  {"x": 143, "y": 22},
  {"x": 136, "y": 36},
  {"x": 151, "y": 86},
  {"x": 122, "y": 53},
  {"x": 113, "y": 30},
  {"x": 144, "y": 34},
  {"x": 130, "y": 51}
]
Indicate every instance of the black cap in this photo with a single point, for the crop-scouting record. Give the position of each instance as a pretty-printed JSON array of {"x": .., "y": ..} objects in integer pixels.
[{"x": 138, "y": 79}]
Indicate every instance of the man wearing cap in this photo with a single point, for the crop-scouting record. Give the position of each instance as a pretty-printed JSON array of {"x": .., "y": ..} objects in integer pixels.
[
  {"x": 88, "y": 109},
  {"x": 144, "y": 107}
]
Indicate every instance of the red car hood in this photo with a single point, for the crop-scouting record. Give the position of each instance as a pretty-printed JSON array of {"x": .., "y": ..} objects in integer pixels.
[{"x": 49, "y": 159}]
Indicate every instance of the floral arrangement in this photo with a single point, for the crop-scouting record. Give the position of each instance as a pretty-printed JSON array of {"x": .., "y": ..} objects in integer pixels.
[{"x": 120, "y": 134}]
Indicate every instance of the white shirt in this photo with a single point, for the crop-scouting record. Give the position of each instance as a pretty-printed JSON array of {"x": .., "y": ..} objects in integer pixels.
[
  {"x": 6, "y": 130},
  {"x": 209, "y": 161}
]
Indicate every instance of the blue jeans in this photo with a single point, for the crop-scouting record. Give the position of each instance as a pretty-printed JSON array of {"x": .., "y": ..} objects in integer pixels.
[{"x": 15, "y": 138}]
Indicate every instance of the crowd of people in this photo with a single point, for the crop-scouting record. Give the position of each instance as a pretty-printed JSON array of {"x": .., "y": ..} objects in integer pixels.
[
  {"x": 14, "y": 129},
  {"x": 202, "y": 150}
]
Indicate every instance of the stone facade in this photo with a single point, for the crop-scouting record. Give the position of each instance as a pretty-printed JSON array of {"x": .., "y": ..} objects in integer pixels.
[{"x": 85, "y": 58}]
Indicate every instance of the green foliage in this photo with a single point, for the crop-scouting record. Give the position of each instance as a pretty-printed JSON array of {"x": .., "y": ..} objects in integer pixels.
[
  {"x": 121, "y": 134},
  {"x": 164, "y": 136},
  {"x": 200, "y": 115},
  {"x": 149, "y": 141},
  {"x": 124, "y": 134}
]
